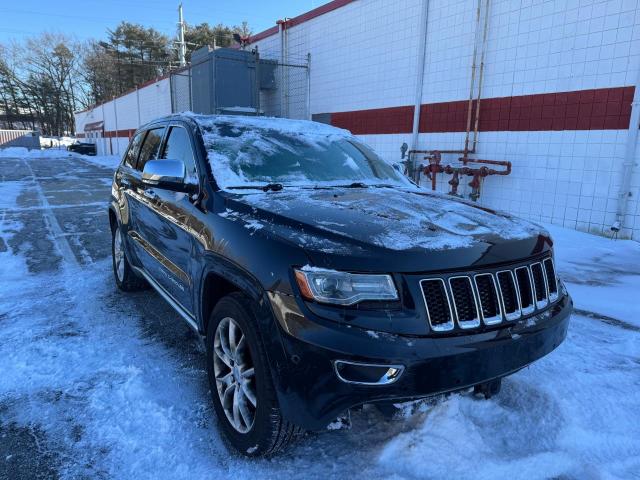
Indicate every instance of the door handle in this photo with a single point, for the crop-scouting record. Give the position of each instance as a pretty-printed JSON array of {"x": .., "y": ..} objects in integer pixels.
[{"x": 150, "y": 193}]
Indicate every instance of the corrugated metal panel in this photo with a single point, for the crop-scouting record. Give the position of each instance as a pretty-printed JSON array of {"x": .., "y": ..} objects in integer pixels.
[{"x": 19, "y": 138}]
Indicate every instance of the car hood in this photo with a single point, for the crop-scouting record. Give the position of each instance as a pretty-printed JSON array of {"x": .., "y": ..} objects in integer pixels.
[{"x": 386, "y": 229}]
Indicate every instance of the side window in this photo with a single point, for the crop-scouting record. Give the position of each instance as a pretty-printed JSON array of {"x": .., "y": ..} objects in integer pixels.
[
  {"x": 150, "y": 147},
  {"x": 178, "y": 147},
  {"x": 132, "y": 153}
]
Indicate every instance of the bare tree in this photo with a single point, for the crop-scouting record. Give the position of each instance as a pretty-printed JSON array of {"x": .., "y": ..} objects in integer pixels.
[{"x": 41, "y": 80}]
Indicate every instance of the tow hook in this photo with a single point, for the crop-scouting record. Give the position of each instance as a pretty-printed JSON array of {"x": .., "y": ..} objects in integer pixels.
[{"x": 488, "y": 389}]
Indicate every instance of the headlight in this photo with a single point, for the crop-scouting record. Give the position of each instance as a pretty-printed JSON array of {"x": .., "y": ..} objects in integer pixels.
[{"x": 342, "y": 288}]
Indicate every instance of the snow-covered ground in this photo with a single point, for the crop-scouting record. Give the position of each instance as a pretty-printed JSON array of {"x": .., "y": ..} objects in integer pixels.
[
  {"x": 110, "y": 161},
  {"x": 98, "y": 384}
]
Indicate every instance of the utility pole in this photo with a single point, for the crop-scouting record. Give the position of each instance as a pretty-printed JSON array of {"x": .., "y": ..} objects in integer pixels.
[{"x": 182, "y": 46}]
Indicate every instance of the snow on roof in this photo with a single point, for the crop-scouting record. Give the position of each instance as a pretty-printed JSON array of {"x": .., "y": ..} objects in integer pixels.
[{"x": 285, "y": 125}]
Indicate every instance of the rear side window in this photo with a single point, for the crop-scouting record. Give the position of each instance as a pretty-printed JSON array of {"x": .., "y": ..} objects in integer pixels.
[
  {"x": 131, "y": 156},
  {"x": 150, "y": 147},
  {"x": 178, "y": 147}
]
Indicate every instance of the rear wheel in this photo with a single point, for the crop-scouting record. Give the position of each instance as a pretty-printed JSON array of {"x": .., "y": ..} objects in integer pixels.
[
  {"x": 126, "y": 278},
  {"x": 243, "y": 394}
]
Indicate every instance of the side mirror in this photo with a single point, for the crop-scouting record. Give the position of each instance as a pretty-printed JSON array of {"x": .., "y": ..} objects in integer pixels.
[{"x": 166, "y": 174}]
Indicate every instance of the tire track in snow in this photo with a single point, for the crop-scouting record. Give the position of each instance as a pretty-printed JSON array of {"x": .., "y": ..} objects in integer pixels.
[
  {"x": 58, "y": 236},
  {"x": 606, "y": 319}
]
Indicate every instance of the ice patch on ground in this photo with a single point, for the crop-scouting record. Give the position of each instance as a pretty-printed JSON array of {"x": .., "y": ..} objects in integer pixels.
[{"x": 109, "y": 161}]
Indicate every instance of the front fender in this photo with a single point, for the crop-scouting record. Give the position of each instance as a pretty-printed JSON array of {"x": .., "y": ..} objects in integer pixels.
[{"x": 268, "y": 328}]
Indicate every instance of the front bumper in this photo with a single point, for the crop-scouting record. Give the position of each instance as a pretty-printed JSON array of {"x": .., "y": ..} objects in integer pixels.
[{"x": 311, "y": 395}]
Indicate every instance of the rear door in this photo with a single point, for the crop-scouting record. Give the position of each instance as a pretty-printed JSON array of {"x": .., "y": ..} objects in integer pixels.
[
  {"x": 168, "y": 227},
  {"x": 128, "y": 180},
  {"x": 142, "y": 203}
]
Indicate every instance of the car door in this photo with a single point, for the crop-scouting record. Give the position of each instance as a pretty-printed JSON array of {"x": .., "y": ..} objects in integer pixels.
[
  {"x": 166, "y": 228},
  {"x": 128, "y": 180},
  {"x": 143, "y": 203}
]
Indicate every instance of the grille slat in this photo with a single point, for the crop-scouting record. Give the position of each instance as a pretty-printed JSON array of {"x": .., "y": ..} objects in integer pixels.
[
  {"x": 436, "y": 299},
  {"x": 539, "y": 284},
  {"x": 525, "y": 290},
  {"x": 464, "y": 303},
  {"x": 509, "y": 294},
  {"x": 488, "y": 299},
  {"x": 552, "y": 281}
]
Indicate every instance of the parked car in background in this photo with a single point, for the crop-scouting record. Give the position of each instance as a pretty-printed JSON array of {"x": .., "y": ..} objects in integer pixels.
[
  {"x": 84, "y": 148},
  {"x": 320, "y": 277}
]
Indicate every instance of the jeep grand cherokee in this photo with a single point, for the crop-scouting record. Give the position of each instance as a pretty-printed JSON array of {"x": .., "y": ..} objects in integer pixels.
[{"x": 320, "y": 277}]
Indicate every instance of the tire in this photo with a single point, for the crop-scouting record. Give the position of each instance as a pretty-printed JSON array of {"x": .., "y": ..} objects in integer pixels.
[
  {"x": 268, "y": 432},
  {"x": 126, "y": 279}
]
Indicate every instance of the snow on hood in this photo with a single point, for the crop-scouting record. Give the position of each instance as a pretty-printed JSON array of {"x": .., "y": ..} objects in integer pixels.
[{"x": 389, "y": 218}]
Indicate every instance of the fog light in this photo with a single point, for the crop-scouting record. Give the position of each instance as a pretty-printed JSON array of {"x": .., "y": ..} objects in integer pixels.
[{"x": 367, "y": 373}]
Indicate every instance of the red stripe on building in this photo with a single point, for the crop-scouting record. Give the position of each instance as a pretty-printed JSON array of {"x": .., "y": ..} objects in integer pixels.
[
  {"x": 264, "y": 34},
  {"x": 596, "y": 109},
  {"x": 127, "y": 133}
]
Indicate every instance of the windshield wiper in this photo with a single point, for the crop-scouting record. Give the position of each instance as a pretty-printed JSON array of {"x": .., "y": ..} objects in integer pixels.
[
  {"x": 273, "y": 187},
  {"x": 350, "y": 185},
  {"x": 362, "y": 185}
]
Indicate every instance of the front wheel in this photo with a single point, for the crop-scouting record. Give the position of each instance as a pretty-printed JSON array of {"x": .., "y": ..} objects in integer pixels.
[{"x": 240, "y": 380}]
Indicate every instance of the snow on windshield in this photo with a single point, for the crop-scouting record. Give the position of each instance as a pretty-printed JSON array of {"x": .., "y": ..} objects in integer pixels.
[{"x": 250, "y": 151}]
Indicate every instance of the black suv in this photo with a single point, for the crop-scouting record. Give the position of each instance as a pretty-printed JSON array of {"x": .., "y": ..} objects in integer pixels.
[
  {"x": 320, "y": 277},
  {"x": 84, "y": 148}
]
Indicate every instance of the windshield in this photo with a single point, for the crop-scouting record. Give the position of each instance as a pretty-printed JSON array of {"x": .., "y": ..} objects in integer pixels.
[{"x": 245, "y": 156}]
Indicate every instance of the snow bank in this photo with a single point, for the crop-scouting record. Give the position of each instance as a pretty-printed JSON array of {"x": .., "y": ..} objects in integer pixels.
[
  {"x": 602, "y": 275},
  {"x": 466, "y": 438}
]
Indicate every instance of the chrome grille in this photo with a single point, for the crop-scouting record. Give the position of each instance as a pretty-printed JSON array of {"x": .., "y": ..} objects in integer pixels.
[{"x": 489, "y": 298}]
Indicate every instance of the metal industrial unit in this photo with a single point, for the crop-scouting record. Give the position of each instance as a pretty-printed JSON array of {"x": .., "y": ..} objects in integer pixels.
[{"x": 225, "y": 80}]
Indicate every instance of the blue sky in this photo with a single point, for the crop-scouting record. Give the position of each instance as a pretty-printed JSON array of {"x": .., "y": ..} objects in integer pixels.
[{"x": 91, "y": 18}]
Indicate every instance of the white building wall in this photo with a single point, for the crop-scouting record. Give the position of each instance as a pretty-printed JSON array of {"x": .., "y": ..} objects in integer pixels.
[
  {"x": 155, "y": 101},
  {"x": 123, "y": 115},
  {"x": 364, "y": 56}
]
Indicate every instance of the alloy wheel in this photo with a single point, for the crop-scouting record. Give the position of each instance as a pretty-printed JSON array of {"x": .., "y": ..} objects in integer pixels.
[
  {"x": 235, "y": 375},
  {"x": 118, "y": 254}
]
